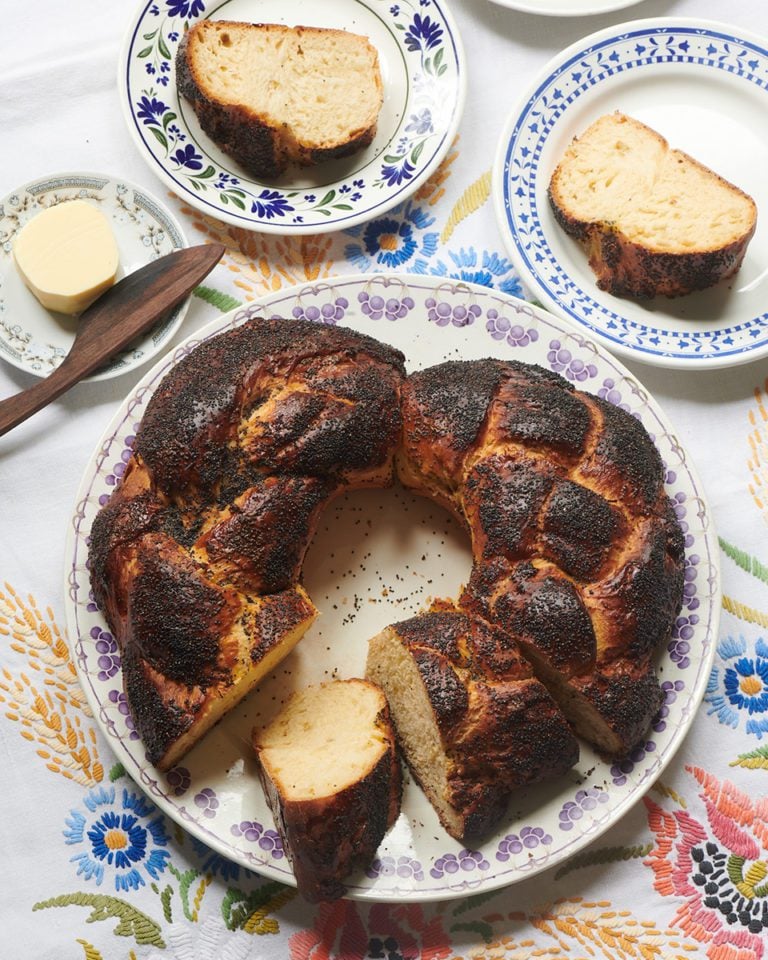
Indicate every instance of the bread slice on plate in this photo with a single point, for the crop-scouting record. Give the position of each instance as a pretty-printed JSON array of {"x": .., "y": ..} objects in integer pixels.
[
  {"x": 472, "y": 721},
  {"x": 270, "y": 95},
  {"x": 653, "y": 221},
  {"x": 332, "y": 779}
]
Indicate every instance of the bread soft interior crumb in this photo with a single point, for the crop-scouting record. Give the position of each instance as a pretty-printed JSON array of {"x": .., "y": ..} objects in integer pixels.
[
  {"x": 622, "y": 173},
  {"x": 315, "y": 81},
  {"x": 392, "y": 667},
  {"x": 325, "y": 739}
]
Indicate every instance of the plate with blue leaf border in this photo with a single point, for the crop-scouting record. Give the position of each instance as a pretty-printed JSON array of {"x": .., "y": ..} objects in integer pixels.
[
  {"x": 380, "y": 556},
  {"x": 704, "y": 87},
  {"x": 424, "y": 79}
]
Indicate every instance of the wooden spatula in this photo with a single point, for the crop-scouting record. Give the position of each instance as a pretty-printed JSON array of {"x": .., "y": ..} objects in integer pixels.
[{"x": 124, "y": 312}]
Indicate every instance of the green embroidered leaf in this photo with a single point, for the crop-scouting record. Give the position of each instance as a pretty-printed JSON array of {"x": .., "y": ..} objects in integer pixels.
[
  {"x": 744, "y": 560},
  {"x": 237, "y": 907},
  {"x": 132, "y": 922},
  {"x": 216, "y": 298},
  {"x": 477, "y": 901},
  {"x": 754, "y": 760},
  {"x": 117, "y": 771},
  {"x": 735, "y": 869},
  {"x": 160, "y": 136},
  {"x": 475, "y": 926},
  {"x": 165, "y": 899},
  {"x": 186, "y": 880},
  {"x": 604, "y": 855}
]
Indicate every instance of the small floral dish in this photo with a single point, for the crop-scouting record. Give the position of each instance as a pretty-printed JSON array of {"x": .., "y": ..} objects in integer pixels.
[
  {"x": 702, "y": 86},
  {"x": 35, "y": 339},
  {"x": 379, "y": 556},
  {"x": 424, "y": 77}
]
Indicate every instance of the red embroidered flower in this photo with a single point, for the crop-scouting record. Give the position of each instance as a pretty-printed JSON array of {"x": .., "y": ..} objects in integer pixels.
[
  {"x": 343, "y": 930},
  {"x": 720, "y": 869}
]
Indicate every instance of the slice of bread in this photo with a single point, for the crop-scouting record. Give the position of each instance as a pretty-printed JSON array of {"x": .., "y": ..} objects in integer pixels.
[
  {"x": 270, "y": 95},
  {"x": 472, "y": 721},
  {"x": 654, "y": 221},
  {"x": 332, "y": 778}
]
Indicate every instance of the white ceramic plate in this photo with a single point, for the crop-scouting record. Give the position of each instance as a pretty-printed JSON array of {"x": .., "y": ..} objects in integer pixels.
[
  {"x": 37, "y": 340},
  {"x": 566, "y": 8},
  {"x": 702, "y": 86},
  {"x": 424, "y": 80},
  {"x": 378, "y": 557}
]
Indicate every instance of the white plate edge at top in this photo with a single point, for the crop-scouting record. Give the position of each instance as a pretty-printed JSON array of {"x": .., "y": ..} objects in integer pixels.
[
  {"x": 270, "y": 203},
  {"x": 149, "y": 779},
  {"x": 552, "y": 70},
  {"x": 561, "y": 8}
]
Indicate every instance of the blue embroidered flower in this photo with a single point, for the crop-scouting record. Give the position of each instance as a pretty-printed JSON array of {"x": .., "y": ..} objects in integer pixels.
[
  {"x": 491, "y": 271},
  {"x": 188, "y": 157},
  {"x": 184, "y": 8},
  {"x": 270, "y": 204},
  {"x": 119, "y": 836},
  {"x": 150, "y": 109},
  {"x": 423, "y": 33},
  {"x": 739, "y": 687},
  {"x": 392, "y": 241},
  {"x": 215, "y": 864}
]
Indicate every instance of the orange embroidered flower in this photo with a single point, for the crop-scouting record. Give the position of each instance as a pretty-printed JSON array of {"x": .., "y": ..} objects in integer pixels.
[
  {"x": 342, "y": 929},
  {"x": 718, "y": 868}
]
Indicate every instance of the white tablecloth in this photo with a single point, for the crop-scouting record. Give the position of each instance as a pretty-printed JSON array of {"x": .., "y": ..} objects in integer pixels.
[{"x": 639, "y": 892}]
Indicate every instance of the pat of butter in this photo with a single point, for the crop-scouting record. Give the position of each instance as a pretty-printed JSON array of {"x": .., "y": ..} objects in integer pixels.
[{"x": 67, "y": 255}]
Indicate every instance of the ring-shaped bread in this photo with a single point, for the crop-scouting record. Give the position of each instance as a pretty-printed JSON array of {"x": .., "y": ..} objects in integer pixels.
[{"x": 196, "y": 558}]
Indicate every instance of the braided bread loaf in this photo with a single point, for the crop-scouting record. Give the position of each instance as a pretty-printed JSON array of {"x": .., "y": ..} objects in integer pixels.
[
  {"x": 577, "y": 553},
  {"x": 196, "y": 558},
  {"x": 473, "y": 722}
]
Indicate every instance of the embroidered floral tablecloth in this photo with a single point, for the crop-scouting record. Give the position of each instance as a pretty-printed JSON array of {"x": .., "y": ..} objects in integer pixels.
[{"x": 92, "y": 868}]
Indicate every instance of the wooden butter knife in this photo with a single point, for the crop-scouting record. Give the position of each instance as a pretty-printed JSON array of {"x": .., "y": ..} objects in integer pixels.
[{"x": 129, "y": 308}]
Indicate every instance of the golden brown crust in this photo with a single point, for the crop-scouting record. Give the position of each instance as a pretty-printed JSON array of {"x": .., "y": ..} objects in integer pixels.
[
  {"x": 263, "y": 147},
  {"x": 498, "y": 725},
  {"x": 327, "y": 837},
  {"x": 196, "y": 556},
  {"x": 640, "y": 268},
  {"x": 577, "y": 553}
]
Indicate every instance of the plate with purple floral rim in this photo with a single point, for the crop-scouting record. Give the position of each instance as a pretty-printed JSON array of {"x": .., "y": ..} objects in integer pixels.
[
  {"x": 566, "y": 8},
  {"x": 35, "y": 339},
  {"x": 702, "y": 85},
  {"x": 380, "y": 556},
  {"x": 424, "y": 79}
]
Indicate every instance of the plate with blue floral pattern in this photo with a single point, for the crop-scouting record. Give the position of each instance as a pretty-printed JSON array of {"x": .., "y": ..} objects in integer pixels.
[
  {"x": 702, "y": 86},
  {"x": 379, "y": 556},
  {"x": 424, "y": 80}
]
